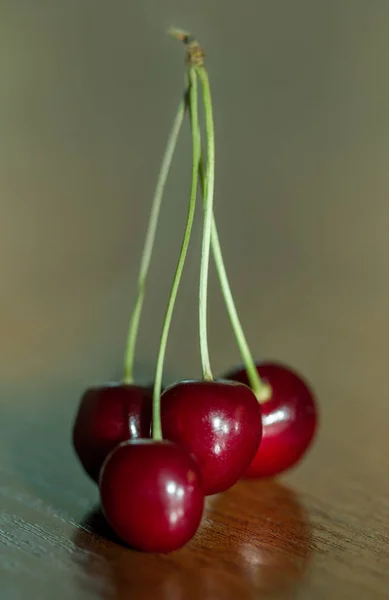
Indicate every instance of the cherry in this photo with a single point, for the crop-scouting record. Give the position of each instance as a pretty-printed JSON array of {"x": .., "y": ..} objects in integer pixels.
[
  {"x": 218, "y": 422},
  {"x": 289, "y": 419},
  {"x": 108, "y": 415},
  {"x": 151, "y": 495}
]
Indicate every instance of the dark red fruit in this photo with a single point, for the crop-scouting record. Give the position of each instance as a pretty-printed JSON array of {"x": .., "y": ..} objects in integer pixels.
[
  {"x": 218, "y": 422},
  {"x": 108, "y": 415},
  {"x": 289, "y": 420},
  {"x": 151, "y": 495}
]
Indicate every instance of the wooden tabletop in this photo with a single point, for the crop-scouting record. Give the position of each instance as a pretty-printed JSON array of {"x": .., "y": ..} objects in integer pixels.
[{"x": 302, "y": 180}]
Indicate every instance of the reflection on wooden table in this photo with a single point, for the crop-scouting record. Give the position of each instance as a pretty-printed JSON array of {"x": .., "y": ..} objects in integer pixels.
[{"x": 256, "y": 537}]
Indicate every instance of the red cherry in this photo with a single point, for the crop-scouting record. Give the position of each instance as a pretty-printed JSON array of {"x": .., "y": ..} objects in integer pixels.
[
  {"x": 108, "y": 415},
  {"x": 289, "y": 420},
  {"x": 218, "y": 422},
  {"x": 151, "y": 495}
]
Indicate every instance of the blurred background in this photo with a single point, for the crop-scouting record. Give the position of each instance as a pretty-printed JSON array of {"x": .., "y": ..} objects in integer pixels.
[{"x": 88, "y": 93}]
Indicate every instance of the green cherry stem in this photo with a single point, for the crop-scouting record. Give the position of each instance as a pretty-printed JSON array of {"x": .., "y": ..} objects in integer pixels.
[
  {"x": 195, "y": 59},
  {"x": 196, "y": 150},
  {"x": 208, "y": 217},
  {"x": 129, "y": 357},
  {"x": 261, "y": 390}
]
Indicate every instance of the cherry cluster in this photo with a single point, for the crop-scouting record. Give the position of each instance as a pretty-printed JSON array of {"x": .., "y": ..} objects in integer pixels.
[{"x": 155, "y": 453}]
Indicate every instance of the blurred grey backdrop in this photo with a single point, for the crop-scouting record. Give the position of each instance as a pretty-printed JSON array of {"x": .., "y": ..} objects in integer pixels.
[{"x": 88, "y": 93}]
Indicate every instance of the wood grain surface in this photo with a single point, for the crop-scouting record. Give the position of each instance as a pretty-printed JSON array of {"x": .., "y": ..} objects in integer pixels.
[{"x": 88, "y": 92}]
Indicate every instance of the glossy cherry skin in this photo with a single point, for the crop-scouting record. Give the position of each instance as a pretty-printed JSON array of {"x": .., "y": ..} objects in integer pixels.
[
  {"x": 218, "y": 422},
  {"x": 108, "y": 415},
  {"x": 151, "y": 494},
  {"x": 289, "y": 420}
]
